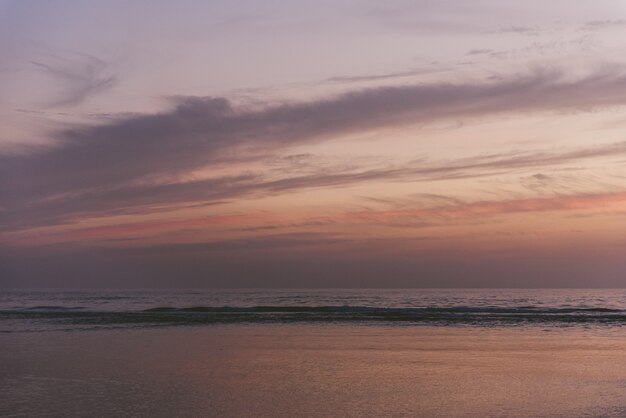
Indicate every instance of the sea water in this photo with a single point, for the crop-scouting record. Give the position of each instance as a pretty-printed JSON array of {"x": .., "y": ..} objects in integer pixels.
[
  {"x": 22, "y": 311},
  {"x": 313, "y": 353}
]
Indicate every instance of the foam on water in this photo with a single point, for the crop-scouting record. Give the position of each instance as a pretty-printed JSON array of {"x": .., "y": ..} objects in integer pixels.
[{"x": 78, "y": 310}]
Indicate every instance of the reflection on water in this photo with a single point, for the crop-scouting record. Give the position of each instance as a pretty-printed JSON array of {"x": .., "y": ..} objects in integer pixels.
[
  {"x": 307, "y": 370},
  {"x": 286, "y": 353}
]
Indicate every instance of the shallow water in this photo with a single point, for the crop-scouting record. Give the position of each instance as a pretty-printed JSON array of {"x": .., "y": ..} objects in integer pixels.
[{"x": 312, "y": 370}]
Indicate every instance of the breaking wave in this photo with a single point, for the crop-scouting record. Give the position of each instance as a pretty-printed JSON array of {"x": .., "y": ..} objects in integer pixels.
[{"x": 199, "y": 315}]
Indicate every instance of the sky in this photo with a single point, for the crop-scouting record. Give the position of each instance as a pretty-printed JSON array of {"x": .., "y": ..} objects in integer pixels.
[{"x": 342, "y": 143}]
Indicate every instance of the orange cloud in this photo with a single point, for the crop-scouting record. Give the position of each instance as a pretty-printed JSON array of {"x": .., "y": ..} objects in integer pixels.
[
  {"x": 260, "y": 223},
  {"x": 128, "y": 230},
  {"x": 493, "y": 208}
]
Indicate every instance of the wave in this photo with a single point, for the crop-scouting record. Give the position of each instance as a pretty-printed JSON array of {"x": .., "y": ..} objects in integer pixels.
[
  {"x": 198, "y": 315},
  {"x": 54, "y": 308},
  {"x": 365, "y": 309}
]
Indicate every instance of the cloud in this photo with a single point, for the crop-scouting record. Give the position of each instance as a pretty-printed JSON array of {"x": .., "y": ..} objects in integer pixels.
[
  {"x": 479, "y": 51},
  {"x": 522, "y": 30},
  {"x": 78, "y": 77},
  {"x": 140, "y": 198},
  {"x": 595, "y": 25},
  {"x": 385, "y": 76},
  {"x": 453, "y": 210},
  {"x": 133, "y": 230},
  {"x": 470, "y": 210},
  {"x": 140, "y": 160}
]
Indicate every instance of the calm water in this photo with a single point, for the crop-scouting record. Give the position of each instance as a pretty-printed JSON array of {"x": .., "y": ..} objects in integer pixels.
[
  {"x": 314, "y": 353},
  {"x": 22, "y": 311},
  {"x": 309, "y": 370}
]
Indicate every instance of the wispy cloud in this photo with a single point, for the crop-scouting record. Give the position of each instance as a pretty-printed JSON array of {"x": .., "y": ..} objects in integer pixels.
[
  {"x": 439, "y": 211},
  {"x": 479, "y": 51},
  {"x": 385, "y": 76},
  {"x": 595, "y": 25},
  {"x": 137, "y": 161},
  {"x": 214, "y": 191},
  {"x": 79, "y": 76},
  {"x": 471, "y": 210},
  {"x": 521, "y": 30}
]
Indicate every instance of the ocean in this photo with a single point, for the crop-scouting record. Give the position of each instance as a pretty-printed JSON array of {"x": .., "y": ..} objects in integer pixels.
[
  {"x": 313, "y": 353},
  {"x": 31, "y": 311}
]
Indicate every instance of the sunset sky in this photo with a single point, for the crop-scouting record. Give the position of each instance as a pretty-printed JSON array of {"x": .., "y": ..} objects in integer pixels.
[{"x": 311, "y": 144}]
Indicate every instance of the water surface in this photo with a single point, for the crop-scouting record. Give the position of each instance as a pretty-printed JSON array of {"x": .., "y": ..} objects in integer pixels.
[
  {"x": 316, "y": 371},
  {"x": 317, "y": 353},
  {"x": 46, "y": 310}
]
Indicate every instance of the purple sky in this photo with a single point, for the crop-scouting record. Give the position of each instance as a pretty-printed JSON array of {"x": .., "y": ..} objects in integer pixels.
[{"x": 312, "y": 144}]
